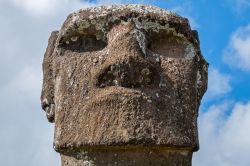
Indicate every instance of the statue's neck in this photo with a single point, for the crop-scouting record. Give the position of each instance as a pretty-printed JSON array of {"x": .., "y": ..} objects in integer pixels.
[{"x": 148, "y": 157}]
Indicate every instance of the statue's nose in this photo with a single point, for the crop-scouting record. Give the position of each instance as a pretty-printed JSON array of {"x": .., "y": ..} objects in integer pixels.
[
  {"x": 126, "y": 41},
  {"x": 127, "y": 65}
]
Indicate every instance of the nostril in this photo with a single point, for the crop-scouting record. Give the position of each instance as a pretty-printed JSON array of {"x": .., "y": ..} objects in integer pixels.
[
  {"x": 128, "y": 75},
  {"x": 114, "y": 75}
]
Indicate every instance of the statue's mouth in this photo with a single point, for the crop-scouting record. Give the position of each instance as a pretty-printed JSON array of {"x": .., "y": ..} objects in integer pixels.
[{"x": 116, "y": 97}]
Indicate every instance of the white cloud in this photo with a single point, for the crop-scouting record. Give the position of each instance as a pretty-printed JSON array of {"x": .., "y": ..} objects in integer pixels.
[
  {"x": 48, "y": 7},
  {"x": 237, "y": 53},
  {"x": 224, "y": 135},
  {"x": 27, "y": 81},
  {"x": 25, "y": 133},
  {"x": 37, "y": 6},
  {"x": 218, "y": 83}
]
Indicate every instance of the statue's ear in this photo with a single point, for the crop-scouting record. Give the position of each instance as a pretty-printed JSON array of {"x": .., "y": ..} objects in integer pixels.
[
  {"x": 202, "y": 73},
  {"x": 47, "y": 96},
  {"x": 202, "y": 78}
]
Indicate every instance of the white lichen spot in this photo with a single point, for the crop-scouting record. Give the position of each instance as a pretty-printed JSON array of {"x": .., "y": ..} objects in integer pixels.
[
  {"x": 88, "y": 163},
  {"x": 162, "y": 84},
  {"x": 198, "y": 58},
  {"x": 67, "y": 42},
  {"x": 55, "y": 144},
  {"x": 168, "y": 96},
  {"x": 149, "y": 101},
  {"x": 189, "y": 51},
  {"x": 74, "y": 38},
  {"x": 75, "y": 17},
  {"x": 71, "y": 82},
  {"x": 45, "y": 101},
  {"x": 141, "y": 39},
  {"x": 91, "y": 17},
  {"x": 98, "y": 37},
  {"x": 145, "y": 71},
  {"x": 199, "y": 82},
  {"x": 95, "y": 60},
  {"x": 115, "y": 82},
  {"x": 157, "y": 95},
  {"x": 83, "y": 24},
  {"x": 205, "y": 67},
  {"x": 157, "y": 59}
]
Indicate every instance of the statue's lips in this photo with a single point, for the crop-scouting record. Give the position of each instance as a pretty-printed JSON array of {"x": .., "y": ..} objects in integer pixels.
[{"x": 116, "y": 95}]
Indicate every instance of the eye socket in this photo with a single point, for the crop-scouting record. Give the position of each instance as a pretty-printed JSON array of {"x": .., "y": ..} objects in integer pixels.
[
  {"x": 168, "y": 45},
  {"x": 84, "y": 43}
]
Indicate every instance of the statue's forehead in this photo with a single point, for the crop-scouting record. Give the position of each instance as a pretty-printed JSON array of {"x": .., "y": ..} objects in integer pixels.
[{"x": 100, "y": 20}]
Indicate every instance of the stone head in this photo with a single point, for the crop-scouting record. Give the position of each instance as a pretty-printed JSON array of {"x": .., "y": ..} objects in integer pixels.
[{"x": 124, "y": 76}]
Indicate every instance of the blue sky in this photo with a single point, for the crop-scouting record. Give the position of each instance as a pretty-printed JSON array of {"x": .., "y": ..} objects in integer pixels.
[{"x": 224, "y": 118}]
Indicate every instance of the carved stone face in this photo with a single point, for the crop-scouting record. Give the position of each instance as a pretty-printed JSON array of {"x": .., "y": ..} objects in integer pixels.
[{"x": 127, "y": 76}]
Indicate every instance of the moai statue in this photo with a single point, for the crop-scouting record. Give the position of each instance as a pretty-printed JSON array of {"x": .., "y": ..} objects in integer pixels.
[{"x": 123, "y": 85}]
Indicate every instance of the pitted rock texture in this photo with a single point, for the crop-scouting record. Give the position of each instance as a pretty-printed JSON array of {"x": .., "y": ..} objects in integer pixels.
[
  {"x": 124, "y": 77},
  {"x": 133, "y": 157}
]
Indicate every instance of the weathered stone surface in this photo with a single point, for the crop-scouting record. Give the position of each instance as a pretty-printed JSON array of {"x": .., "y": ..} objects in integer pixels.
[
  {"x": 132, "y": 157},
  {"x": 124, "y": 77}
]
